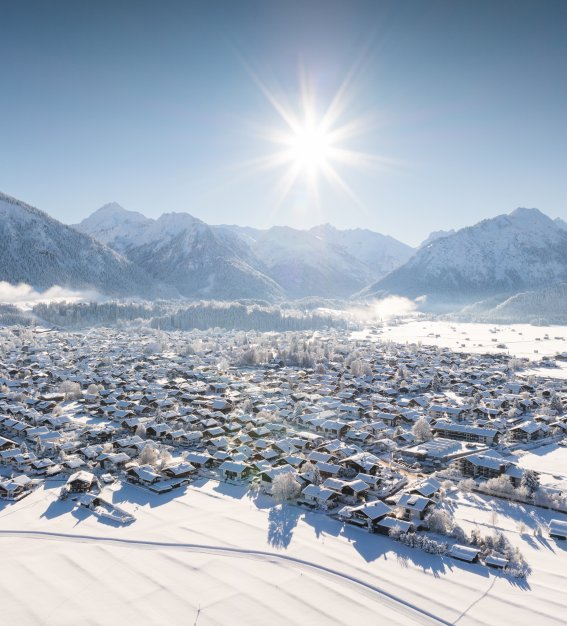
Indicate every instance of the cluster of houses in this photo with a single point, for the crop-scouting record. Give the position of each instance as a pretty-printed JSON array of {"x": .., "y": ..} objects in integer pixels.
[{"x": 358, "y": 434}]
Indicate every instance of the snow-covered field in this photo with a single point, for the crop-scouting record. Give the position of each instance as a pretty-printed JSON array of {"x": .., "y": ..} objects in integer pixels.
[
  {"x": 522, "y": 340},
  {"x": 550, "y": 461},
  {"x": 214, "y": 555}
]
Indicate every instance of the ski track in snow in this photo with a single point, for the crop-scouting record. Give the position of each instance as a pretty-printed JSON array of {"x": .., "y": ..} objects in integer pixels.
[{"x": 413, "y": 612}]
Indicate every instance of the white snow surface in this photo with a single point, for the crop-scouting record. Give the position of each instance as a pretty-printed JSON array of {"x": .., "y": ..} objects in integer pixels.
[
  {"x": 521, "y": 340},
  {"x": 213, "y": 555}
]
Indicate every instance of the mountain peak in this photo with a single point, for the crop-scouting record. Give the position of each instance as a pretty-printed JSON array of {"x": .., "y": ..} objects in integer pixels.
[
  {"x": 503, "y": 254},
  {"x": 110, "y": 207},
  {"x": 529, "y": 214}
]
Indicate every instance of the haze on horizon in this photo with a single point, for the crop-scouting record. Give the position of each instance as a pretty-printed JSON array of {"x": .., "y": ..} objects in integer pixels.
[{"x": 459, "y": 110}]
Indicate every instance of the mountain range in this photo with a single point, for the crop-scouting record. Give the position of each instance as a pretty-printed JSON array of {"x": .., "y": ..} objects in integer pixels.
[
  {"x": 239, "y": 262},
  {"x": 123, "y": 253}
]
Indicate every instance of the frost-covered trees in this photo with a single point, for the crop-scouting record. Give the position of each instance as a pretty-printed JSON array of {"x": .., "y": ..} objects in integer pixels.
[
  {"x": 71, "y": 390},
  {"x": 467, "y": 485},
  {"x": 358, "y": 367},
  {"x": 530, "y": 480},
  {"x": 140, "y": 431},
  {"x": 555, "y": 403},
  {"x": 149, "y": 455},
  {"x": 165, "y": 458},
  {"x": 285, "y": 487},
  {"x": 312, "y": 473},
  {"x": 501, "y": 485},
  {"x": 93, "y": 389},
  {"x": 422, "y": 430},
  {"x": 439, "y": 521}
]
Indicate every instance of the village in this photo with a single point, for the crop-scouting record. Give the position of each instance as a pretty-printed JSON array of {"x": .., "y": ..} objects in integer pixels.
[{"x": 377, "y": 435}]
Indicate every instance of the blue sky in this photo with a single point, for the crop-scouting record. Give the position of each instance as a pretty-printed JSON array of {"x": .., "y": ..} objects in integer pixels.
[{"x": 155, "y": 105}]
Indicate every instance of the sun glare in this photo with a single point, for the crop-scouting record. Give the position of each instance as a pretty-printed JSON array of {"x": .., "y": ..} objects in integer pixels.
[{"x": 312, "y": 143}]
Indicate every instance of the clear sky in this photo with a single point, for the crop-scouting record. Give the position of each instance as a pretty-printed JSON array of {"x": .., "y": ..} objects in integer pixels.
[{"x": 157, "y": 105}]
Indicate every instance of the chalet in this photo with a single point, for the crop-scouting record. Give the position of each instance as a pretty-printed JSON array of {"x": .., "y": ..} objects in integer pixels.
[
  {"x": 81, "y": 482},
  {"x": 334, "y": 428},
  {"x": 113, "y": 460},
  {"x": 413, "y": 507},
  {"x": 231, "y": 470},
  {"x": 363, "y": 462},
  {"x": 157, "y": 431},
  {"x": 320, "y": 496},
  {"x": 267, "y": 476},
  {"x": 368, "y": 514},
  {"x": 426, "y": 488},
  {"x": 143, "y": 475},
  {"x": 16, "y": 488},
  {"x": 41, "y": 466},
  {"x": 351, "y": 489},
  {"x": 7, "y": 444},
  {"x": 200, "y": 459},
  {"x": 328, "y": 469},
  {"x": 181, "y": 470},
  {"x": 437, "y": 411},
  {"x": 131, "y": 446}
]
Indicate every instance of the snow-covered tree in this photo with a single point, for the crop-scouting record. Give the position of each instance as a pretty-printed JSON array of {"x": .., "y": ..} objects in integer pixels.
[
  {"x": 165, "y": 458},
  {"x": 311, "y": 472},
  {"x": 467, "y": 485},
  {"x": 149, "y": 455},
  {"x": 92, "y": 389},
  {"x": 555, "y": 403},
  {"x": 439, "y": 521},
  {"x": 141, "y": 431},
  {"x": 285, "y": 487},
  {"x": 70, "y": 389},
  {"x": 422, "y": 430},
  {"x": 530, "y": 480},
  {"x": 500, "y": 484}
]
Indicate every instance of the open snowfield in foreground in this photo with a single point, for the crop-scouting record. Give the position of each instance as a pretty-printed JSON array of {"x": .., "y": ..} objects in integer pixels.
[{"x": 214, "y": 555}]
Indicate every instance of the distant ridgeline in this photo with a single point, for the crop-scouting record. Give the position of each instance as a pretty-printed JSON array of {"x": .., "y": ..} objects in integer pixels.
[
  {"x": 540, "y": 307},
  {"x": 175, "y": 316}
]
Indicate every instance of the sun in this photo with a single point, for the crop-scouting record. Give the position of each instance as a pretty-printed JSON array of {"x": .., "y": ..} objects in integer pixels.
[
  {"x": 313, "y": 143},
  {"x": 310, "y": 149}
]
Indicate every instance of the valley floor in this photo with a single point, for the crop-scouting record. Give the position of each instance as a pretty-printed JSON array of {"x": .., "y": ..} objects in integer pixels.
[{"x": 520, "y": 340}]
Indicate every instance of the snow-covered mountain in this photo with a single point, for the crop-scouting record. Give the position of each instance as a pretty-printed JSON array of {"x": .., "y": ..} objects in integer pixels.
[
  {"x": 380, "y": 253},
  {"x": 40, "y": 251},
  {"x": 436, "y": 234},
  {"x": 304, "y": 264},
  {"x": 184, "y": 252},
  {"x": 505, "y": 254},
  {"x": 237, "y": 262},
  {"x": 541, "y": 306},
  {"x": 323, "y": 261}
]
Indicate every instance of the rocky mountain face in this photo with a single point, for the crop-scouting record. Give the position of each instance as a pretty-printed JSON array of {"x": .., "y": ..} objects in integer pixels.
[
  {"x": 505, "y": 254},
  {"x": 42, "y": 252}
]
